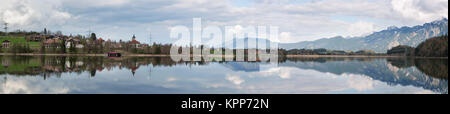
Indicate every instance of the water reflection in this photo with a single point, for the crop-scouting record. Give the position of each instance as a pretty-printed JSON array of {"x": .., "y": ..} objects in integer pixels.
[{"x": 53, "y": 74}]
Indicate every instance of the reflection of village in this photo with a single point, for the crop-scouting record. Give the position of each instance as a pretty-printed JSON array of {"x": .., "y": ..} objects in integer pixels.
[{"x": 47, "y": 66}]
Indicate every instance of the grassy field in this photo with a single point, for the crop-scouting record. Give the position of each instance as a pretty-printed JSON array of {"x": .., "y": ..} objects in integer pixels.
[{"x": 21, "y": 40}]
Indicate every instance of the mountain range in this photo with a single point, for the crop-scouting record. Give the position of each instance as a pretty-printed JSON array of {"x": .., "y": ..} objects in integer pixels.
[{"x": 378, "y": 41}]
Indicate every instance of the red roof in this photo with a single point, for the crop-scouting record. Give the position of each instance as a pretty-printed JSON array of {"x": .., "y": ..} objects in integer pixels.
[
  {"x": 50, "y": 41},
  {"x": 135, "y": 42},
  {"x": 113, "y": 53},
  {"x": 100, "y": 39}
]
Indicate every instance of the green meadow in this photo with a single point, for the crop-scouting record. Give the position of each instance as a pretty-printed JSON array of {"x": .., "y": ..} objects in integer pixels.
[{"x": 20, "y": 40}]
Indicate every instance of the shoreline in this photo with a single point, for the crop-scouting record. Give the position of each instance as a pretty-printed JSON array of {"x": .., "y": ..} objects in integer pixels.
[
  {"x": 164, "y": 55},
  {"x": 358, "y": 56},
  {"x": 91, "y": 55}
]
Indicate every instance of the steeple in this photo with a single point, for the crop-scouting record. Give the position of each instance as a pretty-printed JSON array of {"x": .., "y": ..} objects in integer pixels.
[{"x": 134, "y": 37}]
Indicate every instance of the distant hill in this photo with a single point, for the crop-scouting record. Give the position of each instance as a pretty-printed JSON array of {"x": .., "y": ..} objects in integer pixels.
[
  {"x": 433, "y": 47},
  {"x": 379, "y": 41}
]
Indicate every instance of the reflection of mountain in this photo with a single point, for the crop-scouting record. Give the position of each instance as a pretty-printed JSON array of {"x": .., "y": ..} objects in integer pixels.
[
  {"x": 382, "y": 70},
  {"x": 437, "y": 68}
]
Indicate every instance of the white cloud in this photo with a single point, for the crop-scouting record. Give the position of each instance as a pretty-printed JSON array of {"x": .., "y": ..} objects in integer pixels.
[
  {"x": 31, "y": 13},
  {"x": 286, "y": 37},
  {"x": 303, "y": 21},
  {"x": 30, "y": 86},
  {"x": 361, "y": 28},
  {"x": 235, "y": 79},
  {"x": 359, "y": 82},
  {"x": 421, "y": 10},
  {"x": 171, "y": 79},
  {"x": 95, "y": 3}
]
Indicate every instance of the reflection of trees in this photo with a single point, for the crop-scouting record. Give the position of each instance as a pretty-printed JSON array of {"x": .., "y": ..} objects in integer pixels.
[
  {"x": 401, "y": 62},
  {"x": 47, "y": 66},
  {"x": 22, "y": 65},
  {"x": 433, "y": 67}
]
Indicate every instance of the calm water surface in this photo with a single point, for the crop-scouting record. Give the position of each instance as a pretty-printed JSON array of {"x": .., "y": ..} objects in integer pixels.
[{"x": 50, "y": 74}]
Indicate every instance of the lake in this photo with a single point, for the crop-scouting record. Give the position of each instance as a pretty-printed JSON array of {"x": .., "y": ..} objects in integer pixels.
[{"x": 161, "y": 75}]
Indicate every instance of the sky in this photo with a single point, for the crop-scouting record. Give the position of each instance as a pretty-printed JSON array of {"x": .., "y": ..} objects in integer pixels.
[{"x": 298, "y": 20}]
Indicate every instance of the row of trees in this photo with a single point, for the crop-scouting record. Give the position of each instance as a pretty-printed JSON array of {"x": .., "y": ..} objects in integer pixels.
[
  {"x": 433, "y": 47},
  {"x": 19, "y": 48}
]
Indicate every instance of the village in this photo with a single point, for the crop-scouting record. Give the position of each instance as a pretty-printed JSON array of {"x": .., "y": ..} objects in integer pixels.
[{"x": 48, "y": 42}]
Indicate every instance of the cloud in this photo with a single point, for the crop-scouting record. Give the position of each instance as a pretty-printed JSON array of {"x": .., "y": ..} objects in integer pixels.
[
  {"x": 235, "y": 79},
  {"x": 30, "y": 86},
  {"x": 32, "y": 13},
  {"x": 421, "y": 10},
  {"x": 286, "y": 37},
  {"x": 361, "y": 28},
  {"x": 359, "y": 82},
  {"x": 297, "y": 20},
  {"x": 95, "y": 3},
  {"x": 171, "y": 79}
]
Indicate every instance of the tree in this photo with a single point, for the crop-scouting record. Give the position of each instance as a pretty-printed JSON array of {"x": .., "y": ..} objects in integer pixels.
[
  {"x": 28, "y": 49},
  {"x": 157, "y": 48},
  {"x": 134, "y": 50},
  {"x": 20, "y": 48},
  {"x": 53, "y": 47},
  {"x": 63, "y": 45},
  {"x": 433, "y": 47},
  {"x": 402, "y": 50},
  {"x": 42, "y": 48},
  {"x": 59, "y": 33},
  {"x": 72, "y": 48},
  {"x": 147, "y": 50},
  {"x": 100, "y": 48},
  {"x": 93, "y": 37}
]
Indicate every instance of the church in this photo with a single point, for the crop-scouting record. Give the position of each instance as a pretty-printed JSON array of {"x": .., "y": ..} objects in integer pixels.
[{"x": 134, "y": 42}]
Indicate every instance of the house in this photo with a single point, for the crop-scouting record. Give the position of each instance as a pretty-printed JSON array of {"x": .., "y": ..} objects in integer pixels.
[
  {"x": 69, "y": 44},
  {"x": 6, "y": 44},
  {"x": 35, "y": 38},
  {"x": 144, "y": 45},
  {"x": 74, "y": 41},
  {"x": 5, "y": 63},
  {"x": 79, "y": 46},
  {"x": 101, "y": 41},
  {"x": 51, "y": 43},
  {"x": 116, "y": 45},
  {"x": 134, "y": 42}
]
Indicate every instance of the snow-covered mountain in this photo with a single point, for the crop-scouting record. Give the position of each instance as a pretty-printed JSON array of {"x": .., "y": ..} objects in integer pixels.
[{"x": 379, "y": 41}]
